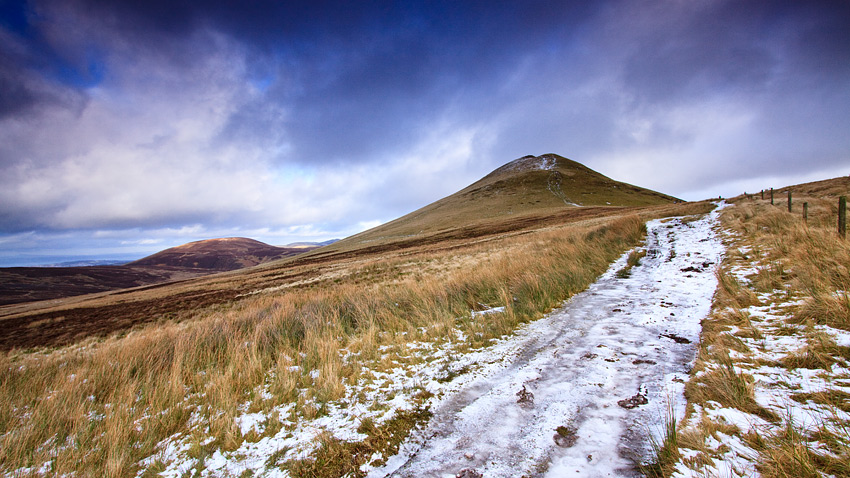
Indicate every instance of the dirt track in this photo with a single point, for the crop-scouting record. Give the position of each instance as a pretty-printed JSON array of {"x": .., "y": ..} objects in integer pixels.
[{"x": 573, "y": 394}]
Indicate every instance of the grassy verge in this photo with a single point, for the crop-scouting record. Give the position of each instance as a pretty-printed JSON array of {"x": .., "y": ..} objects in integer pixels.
[
  {"x": 768, "y": 393},
  {"x": 336, "y": 457}
]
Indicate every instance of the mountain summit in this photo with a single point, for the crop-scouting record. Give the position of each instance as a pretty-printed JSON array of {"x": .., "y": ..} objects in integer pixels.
[{"x": 552, "y": 180}]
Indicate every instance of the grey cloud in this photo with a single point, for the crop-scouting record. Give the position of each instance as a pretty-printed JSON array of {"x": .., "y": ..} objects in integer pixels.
[
  {"x": 694, "y": 50},
  {"x": 23, "y": 89},
  {"x": 16, "y": 95}
]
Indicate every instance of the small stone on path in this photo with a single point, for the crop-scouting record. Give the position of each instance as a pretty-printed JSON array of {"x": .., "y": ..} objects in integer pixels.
[
  {"x": 633, "y": 402},
  {"x": 469, "y": 473}
]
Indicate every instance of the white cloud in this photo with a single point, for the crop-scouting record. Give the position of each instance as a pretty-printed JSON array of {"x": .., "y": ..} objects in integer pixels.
[{"x": 142, "y": 242}]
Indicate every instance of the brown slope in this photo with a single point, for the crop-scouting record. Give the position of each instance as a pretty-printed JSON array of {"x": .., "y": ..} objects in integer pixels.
[
  {"x": 26, "y": 284},
  {"x": 224, "y": 254}
]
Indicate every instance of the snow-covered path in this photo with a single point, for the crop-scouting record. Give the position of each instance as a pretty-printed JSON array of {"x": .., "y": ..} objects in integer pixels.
[{"x": 628, "y": 340}]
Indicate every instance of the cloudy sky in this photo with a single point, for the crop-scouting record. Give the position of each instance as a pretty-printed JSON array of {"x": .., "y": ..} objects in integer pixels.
[{"x": 129, "y": 127}]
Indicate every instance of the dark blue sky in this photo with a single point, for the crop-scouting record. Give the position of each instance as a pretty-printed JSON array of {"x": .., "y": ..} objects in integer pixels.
[{"x": 129, "y": 127}]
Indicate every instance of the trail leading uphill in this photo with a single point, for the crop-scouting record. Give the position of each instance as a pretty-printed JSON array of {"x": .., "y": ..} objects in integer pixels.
[{"x": 577, "y": 392}]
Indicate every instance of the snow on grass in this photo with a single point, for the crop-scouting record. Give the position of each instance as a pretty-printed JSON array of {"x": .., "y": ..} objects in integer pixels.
[
  {"x": 623, "y": 338},
  {"x": 377, "y": 396},
  {"x": 779, "y": 387},
  {"x": 491, "y": 310}
]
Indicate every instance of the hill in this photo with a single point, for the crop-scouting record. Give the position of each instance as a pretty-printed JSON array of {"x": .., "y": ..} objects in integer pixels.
[
  {"x": 224, "y": 254},
  {"x": 28, "y": 284},
  {"x": 527, "y": 190}
]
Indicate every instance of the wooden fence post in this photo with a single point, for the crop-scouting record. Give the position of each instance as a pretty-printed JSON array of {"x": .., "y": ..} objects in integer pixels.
[
  {"x": 842, "y": 216},
  {"x": 789, "y": 200},
  {"x": 762, "y": 194},
  {"x": 806, "y": 213},
  {"x": 771, "y": 196}
]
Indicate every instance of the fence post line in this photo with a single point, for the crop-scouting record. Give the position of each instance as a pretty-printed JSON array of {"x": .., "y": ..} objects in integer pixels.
[{"x": 842, "y": 216}]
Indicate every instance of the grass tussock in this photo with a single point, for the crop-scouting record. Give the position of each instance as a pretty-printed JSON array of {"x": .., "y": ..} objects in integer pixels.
[
  {"x": 336, "y": 458},
  {"x": 836, "y": 399},
  {"x": 789, "y": 452},
  {"x": 665, "y": 449},
  {"x": 632, "y": 261},
  {"x": 827, "y": 308},
  {"x": 731, "y": 294},
  {"x": 98, "y": 407},
  {"x": 820, "y": 352}
]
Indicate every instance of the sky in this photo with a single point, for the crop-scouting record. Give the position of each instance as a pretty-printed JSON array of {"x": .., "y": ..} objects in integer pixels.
[{"x": 130, "y": 127}]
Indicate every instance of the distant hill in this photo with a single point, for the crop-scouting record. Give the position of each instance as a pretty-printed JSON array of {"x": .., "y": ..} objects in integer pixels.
[
  {"x": 225, "y": 254},
  {"x": 528, "y": 186},
  {"x": 28, "y": 284}
]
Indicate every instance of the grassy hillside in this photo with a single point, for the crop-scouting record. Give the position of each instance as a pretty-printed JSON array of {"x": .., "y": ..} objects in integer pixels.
[
  {"x": 287, "y": 350},
  {"x": 146, "y": 380},
  {"x": 528, "y": 189}
]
